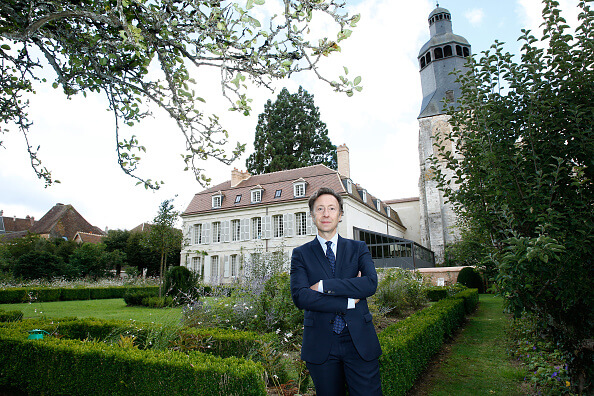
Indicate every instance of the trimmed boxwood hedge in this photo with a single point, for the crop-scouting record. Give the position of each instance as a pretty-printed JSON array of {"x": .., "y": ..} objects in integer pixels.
[
  {"x": 62, "y": 366},
  {"x": 408, "y": 345},
  {"x": 10, "y": 316},
  {"x": 46, "y": 294},
  {"x": 436, "y": 293}
]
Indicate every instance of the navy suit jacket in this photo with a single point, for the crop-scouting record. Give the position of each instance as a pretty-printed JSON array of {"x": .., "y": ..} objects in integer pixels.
[{"x": 310, "y": 265}]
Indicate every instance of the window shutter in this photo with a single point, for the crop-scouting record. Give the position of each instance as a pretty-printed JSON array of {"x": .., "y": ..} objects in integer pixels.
[
  {"x": 245, "y": 229},
  {"x": 206, "y": 233},
  {"x": 226, "y": 273},
  {"x": 289, "y": 224},
  {"x": 226, "y": 231},
  {"x": 311, "y": 227},
  {"x": 267, "y": 227}
]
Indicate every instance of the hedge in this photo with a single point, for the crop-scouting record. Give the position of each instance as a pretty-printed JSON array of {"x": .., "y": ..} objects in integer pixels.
[
  {"x": 46, "y": 294},
  {"x": 436, "y": 293},
  {"x": 62, "y": 366},
  {"x": 408, "y": 345},
  {"x": 10, "y": 316}
]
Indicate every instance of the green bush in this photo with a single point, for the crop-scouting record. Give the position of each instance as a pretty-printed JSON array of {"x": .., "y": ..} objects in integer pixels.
[
  {"x": 181, "y": 283},
  {"x": 65, "y": 366},
  {"x": 13, "y": 296},
  {"x": 10, "y": 316},
  {"x": 398, "y": 290},
  {"x": 135, "y": 296},
  {"x": 40, "y": 264},
  {"x": 43, "y": 294},
  {"x": 471, "y": 299},
  {"x": 470, "y": 278},
  {"x": 68, "y": 294},
  {"x": 408, "y": 345},
  {"x": 157, "y": 302},
  {"x": 436, "y": 293}
]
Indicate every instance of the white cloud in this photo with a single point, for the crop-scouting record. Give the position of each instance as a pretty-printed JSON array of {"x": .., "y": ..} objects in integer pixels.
[{"x": 475, "y": 16}]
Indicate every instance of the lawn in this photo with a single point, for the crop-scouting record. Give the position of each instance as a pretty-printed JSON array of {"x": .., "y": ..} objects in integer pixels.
[
  {"x": 103, "y": 309},
  {"x": 476, "y": 362}
]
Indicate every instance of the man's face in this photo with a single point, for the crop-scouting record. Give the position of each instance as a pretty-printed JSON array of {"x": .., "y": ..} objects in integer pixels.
[{"x": 326, "y": 214}]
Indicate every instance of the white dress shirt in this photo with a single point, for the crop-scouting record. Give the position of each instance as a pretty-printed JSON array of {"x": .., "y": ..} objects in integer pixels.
[{"x": 333, "y": 246}]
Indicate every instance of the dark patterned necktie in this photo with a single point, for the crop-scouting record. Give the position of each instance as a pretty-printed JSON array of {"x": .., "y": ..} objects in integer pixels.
[{"x": 339, "y": 322}]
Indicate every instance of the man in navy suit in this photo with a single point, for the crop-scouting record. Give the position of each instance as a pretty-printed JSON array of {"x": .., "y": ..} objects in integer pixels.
[{"x": 331, "y": 278}]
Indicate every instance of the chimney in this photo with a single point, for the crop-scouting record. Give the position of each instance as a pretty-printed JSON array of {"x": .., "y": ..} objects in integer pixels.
[
  {"x": 238, "y": 176},
  {"x": 342, "y": 155},
  {"x": 32, "y": 220}
]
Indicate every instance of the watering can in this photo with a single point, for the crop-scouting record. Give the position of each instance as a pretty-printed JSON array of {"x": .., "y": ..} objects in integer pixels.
[{"x": 36, "y": 334}]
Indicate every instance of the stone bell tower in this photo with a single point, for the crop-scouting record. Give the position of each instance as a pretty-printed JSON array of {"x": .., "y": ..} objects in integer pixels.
[{"x": 442, "y": 54}]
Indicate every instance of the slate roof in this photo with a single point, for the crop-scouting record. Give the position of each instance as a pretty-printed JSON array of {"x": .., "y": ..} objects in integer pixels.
[
  {"x": 86, "y": 237},
  {"x": 63, "y": 221},
  {"x": 315, "y": 176},
  {"x": 13, "y": 224}
]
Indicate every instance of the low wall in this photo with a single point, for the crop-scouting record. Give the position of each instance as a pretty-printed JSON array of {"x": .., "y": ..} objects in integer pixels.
[{"x": 441, "y": 276}]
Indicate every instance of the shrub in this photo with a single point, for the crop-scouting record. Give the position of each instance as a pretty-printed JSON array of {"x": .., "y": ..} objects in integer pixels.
[
  {"x": 180, "y": 282},
  {"x": 39, "y": 264},
  {"x": 398, "y": 290},
  {"x": 135, "y": 296},
  {"x": 68, "y": 294},
  {"x": 408, "y": 345},
  {"x": 65, "y": 366},
  {"x": 14, "y": 295},
  {"x": 10, "y": 316},
  {"x": 157, "y": 302},
  {"x": 436, "y": 293},
  {"x": 42, "y": 294},
  {"x": 470, "y": 278}
]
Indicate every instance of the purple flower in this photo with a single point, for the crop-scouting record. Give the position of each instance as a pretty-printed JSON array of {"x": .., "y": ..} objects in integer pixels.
[{"x": 554, "y": 375}]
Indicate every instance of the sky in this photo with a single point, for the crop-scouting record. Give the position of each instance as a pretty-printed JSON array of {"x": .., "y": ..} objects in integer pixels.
[{"x": 379, "y": 125}]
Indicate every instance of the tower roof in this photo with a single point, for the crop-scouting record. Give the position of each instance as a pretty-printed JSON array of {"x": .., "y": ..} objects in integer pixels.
[{"x": 438, "y": 10}]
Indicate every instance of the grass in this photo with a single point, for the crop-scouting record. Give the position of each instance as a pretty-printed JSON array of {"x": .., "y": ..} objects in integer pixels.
[
  {"x": 102, "y": 309},
  {"x": 477, "y": 362}
]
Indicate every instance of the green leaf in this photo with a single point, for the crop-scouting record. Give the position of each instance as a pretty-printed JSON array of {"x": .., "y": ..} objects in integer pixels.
[
  {"x": 346, "y": 70},
  {"x": 357, "y": 80}
]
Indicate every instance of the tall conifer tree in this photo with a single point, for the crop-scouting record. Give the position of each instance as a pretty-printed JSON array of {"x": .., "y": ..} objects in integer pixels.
[{"x": 290, "y": 135}]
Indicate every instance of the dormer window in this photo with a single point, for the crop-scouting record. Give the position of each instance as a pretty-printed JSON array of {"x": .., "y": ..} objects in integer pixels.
[
  {"x": 364, "y": 195},
  {"x": 349, "y": 186},
  {"x": 299, "y": 188},
  {"x": 388, "y": 211},
  {"x": 256, "y": 194},
  {"x": 238, "y": 198},
  {"x": 378, "y": 204},
  {"x": 277, "y": 193},
  {"x": 217, "y": 200}
]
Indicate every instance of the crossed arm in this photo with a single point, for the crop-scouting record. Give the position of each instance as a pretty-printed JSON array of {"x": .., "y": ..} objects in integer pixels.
[{"x": 336, "y": 291}]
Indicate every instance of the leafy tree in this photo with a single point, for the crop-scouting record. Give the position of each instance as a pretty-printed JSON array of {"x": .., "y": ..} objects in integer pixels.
[
  {"x": 117, "y": 240},
  {"x": 163, "y": 238},
  {"x": 290, "y": 135},
  {"x": 525, "y": 177},
  {"x": 139, "y": 255},
  {"x": 141, "y": 54},
  {"x": 39, "y": 264},
  {"x": 91, "y": 260}
]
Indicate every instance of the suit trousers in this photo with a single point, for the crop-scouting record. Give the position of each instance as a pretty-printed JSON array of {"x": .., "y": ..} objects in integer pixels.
[{"x": 345, "y": 366}]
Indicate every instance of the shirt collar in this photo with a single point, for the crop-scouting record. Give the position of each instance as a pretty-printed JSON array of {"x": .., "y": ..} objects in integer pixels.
[{"x": 323, "y": 241}]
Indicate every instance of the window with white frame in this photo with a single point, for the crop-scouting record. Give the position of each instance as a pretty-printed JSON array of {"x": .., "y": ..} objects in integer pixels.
[
  {"x": 197, "y": 237},
  {"x": 233, "y": 265},
  {"x": 238, "y": 198},
  {"x": 278, "y": 193},
  {"x": 349, "y": 186},
  {"x": 379, "y": 205},
  {"x": 196, "y": 264},
  {"x": 388, "y": 211},
  {"x": 301, "y": 223},
  {"x": 235, "y": 230},
  {"x": 364, "y": 195},
  {"x": 216, "y": 231},
  {"x": 277, "y": 224},
  {"x": 256, "y": 228},
  {"x": 256, "y": 196},
  {"x": 217, "y": 201},
  {"x": 214, "y": 267},
  {"x": 299, "y": 189}
]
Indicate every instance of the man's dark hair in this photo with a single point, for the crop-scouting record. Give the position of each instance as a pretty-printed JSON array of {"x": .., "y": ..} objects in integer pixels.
[{"x": 322, "y": 191}]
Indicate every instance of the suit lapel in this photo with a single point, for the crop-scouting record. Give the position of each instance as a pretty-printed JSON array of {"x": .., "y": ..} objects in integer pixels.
[
  {"x": 340, "y": 254},
  {"x": 318, "y": 252}
]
